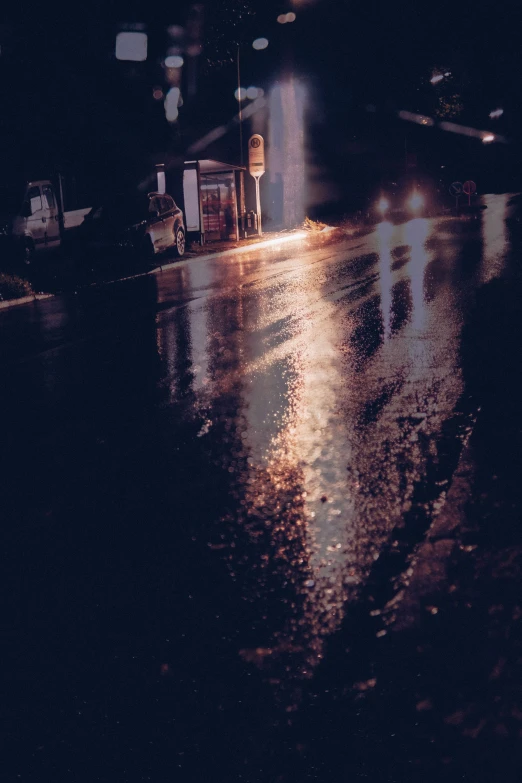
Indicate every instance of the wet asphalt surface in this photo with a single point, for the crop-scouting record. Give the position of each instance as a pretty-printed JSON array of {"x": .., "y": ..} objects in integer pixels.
[{"x": 261, "y": 516}]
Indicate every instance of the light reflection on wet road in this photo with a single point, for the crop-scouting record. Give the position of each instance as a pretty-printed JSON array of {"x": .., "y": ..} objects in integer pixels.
[
  {"x": 297, "y": 395},
  {"x": 342, "y": 375}
]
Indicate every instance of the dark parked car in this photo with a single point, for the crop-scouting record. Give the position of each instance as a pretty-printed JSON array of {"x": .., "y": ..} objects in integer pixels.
[{"x": 143, "y": 224}]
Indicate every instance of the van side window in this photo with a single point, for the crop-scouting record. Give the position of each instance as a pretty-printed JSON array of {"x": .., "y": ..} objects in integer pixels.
[
  {"x": 48, "y": 197},
  {"x": 35, "y": 199}
]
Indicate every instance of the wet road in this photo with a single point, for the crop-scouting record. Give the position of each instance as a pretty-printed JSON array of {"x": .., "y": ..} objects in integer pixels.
[{"x": 261, "y": 515}]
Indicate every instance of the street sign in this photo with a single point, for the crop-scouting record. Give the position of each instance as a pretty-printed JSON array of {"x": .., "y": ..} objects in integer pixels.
[
  {"x": 256, "y": 167},
  {"x": 469, "y": 187},
  {"x": 455, "y": 188},
  {"x": 256, "y": 155}
]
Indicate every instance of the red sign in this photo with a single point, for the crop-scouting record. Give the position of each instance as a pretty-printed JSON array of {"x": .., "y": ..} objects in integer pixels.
[{"x": 469, "y": 187}]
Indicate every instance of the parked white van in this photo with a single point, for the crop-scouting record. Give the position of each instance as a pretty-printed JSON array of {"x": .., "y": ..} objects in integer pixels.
[{"x": 31, "y": 219}]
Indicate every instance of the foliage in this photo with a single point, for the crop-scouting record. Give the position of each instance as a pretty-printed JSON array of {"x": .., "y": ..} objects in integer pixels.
[
  {"x": 449, "y": 106},
  {"x": 225, "y": 25},
  {"x": 13, "y": 287},
  {"x": 313, "y": 225}
]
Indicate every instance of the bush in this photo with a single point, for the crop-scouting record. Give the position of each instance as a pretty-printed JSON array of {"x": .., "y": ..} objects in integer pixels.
[
  {"x": 313, "y": 225},
  {"x": 13, "y": 287}
]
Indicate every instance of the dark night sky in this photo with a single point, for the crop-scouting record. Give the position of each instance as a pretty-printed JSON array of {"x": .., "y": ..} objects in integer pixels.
[{"x": 68, "y": 101}]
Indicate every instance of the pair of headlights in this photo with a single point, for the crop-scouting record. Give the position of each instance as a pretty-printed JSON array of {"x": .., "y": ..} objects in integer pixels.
[{"x": 414, "y": 203}]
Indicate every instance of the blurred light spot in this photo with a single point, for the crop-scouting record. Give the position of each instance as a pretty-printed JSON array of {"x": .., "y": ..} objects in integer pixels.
[
  {"x": 240, "y": 94},
  {"x": 420, "y": 119},
  {"x": 438, "y": 77},
  {"x": 194, "y": 49},
  {"x": 488, "y": 137},
  {"x": 172, "y": 103},
  {"x": 416, "y": 201},
  {"x": 383, "y": 205},
  {"x": 157, "y": 94},
  {"x": 284, "y": 18},
  {"x": 453, "y": 127},
  {"x": 448, "y": 73},
  {"x": 252, "y": 108},
  {"x": 131, "y": 46},
  {"x": 175, "y": 31},
  {"x": 252, "y": 93},
  {"x": 260, "y": 43},
  {"x": 496, "y": 114},
  {"x": 174, "y": 61}
]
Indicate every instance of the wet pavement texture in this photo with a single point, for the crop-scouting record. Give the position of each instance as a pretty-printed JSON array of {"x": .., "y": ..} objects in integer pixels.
[{"x": 261, "y": 515}]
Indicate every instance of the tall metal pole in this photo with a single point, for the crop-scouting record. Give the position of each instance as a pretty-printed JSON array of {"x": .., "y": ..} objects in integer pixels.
[
  {"x": 241, "y": 177},
  {"x": 258, "y": 208}
]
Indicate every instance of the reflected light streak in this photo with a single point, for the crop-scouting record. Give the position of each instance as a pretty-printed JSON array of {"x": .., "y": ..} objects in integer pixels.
[
  {"x": 296, "y": 447},
  {"x": 384, "y": 234},
  {"x": 494, "y": 236},
  {"x": 416, "y": 233}
]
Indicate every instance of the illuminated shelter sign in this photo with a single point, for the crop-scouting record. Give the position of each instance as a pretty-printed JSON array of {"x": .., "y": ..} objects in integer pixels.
[{"x": 256, "y": 155}]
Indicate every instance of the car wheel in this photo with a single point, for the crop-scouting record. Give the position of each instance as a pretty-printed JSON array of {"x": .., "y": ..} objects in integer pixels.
[{"x": 180, "y": 241}]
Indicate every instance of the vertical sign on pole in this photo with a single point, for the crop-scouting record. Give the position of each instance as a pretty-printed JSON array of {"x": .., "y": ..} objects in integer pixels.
[
  {"x": 456, "y": 189},
  {"x": 256, "y": 167},
  {"x": 469, "y": 188}
]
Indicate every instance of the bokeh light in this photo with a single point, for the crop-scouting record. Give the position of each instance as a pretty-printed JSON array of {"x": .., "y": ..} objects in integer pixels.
[
  {"x": 174, "y": 61},
  {"x": 260, "y": 43},
  {"x": 286, "y": 18},
  {"x": 240, "y": 94},
  {"x": 131, "y": 46},
  {"x": 172, "y": 104},
  {"x": 254, "y": 92}
]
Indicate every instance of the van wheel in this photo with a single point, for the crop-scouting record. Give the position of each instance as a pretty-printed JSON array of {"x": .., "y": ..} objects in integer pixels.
[{"x": 180, "y": 241}]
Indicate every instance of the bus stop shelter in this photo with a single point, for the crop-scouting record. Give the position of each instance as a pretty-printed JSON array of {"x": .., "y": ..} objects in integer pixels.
[{"x": 210, "y": 190}]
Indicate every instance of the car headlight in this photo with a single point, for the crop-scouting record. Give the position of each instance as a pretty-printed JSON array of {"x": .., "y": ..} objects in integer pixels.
[{"x": 416, "y": 201}]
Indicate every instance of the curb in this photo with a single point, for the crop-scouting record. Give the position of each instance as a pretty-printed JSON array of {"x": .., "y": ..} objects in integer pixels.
[
  {"x": 183, "y": 262},
  {"x": 237, "y": 250},
  {"x": 24, "y": 300}
]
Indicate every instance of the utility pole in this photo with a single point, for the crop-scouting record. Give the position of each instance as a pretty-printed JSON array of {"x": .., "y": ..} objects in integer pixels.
[{"x": 241, "y": 173}]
